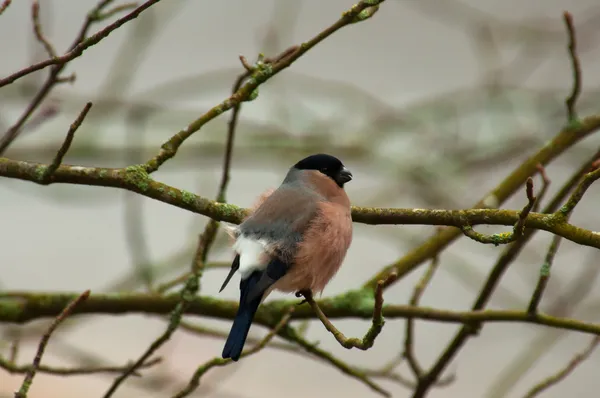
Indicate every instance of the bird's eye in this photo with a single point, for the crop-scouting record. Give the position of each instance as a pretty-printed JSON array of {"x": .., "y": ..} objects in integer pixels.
[{"x": 324, "y": 170}]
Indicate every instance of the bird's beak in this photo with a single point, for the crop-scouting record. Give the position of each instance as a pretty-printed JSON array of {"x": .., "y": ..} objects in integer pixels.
[{"x": 344, "y": 176}]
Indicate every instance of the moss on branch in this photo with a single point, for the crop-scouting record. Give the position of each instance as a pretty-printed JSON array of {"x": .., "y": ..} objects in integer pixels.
[
  {"x": 22, "y": 307},
  {"x": 136, "y": 179}
]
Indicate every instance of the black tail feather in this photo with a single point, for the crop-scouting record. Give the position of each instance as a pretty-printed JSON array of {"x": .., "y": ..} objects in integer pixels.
[
  {"x": 252, "y": 291},
  {"x": 243, "y": 319}
]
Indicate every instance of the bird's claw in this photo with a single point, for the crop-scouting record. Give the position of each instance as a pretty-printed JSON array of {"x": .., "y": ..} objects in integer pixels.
[{"x": 305, "y": 294}]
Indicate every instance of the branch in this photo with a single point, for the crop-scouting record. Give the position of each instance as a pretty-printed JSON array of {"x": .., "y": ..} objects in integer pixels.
[
  {"x": 10, "y": 367},
  {"x": 195, "y": 380},
  {"x": 577, "y": 195},
  {"x": 69, "y": 308},
  {"x": 560, "y": 143},
  {"x": 183, "y": 303},
  {"x": 37, "y": 29},
  {"x": 566, "y": 212},
  {"x": 134, "y": 178},
  {"x": 260, "y": 74},
  {"x": 207, "y": 238},
  {"x": 544, "y": 276},
  {"x": 518, "y": 229},
  {"x": 560, "y": 376},
  {"x": 377, "y": 323},
  {"x": 295, "y": 345},
  {"x": 51, "y": 169},
  {"x": 576, "y": 66},
  {"x": 81, "y": 43},
  {"x": 84, "y": 44},
  {"x": 291, "y": 335},
  {"x": 22, "y": 307},
  {"x": 506, "y": 258},
  {"x": 414, "y": 301}
]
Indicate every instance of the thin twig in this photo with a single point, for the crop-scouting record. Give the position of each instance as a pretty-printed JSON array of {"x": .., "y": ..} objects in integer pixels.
[
  {"x": 80, "y": 44},
  {"x": 51, "y": 169},
  {"x": 564, "y": 213},
  {"x": 207, "y": 238},
  {"x": 262, "y": 72},
  {"x": 409, "y": 353},
  {"x": 385, "y": 372},
  {"x": 577, "y": 195},
  {"x": 566, "y": 371},
  {"x": 162, "y": 288},
  {"x": 11, "y": 367},
  {"x": 498, "y": 195},
  {"x": 22, "y": 393},
  {"x": 79, "y": 47},
  {"x": 290, "y": 334},
  {"x": 518, "y": 229},
  {"x": 576, "y": 66},
  {"x": 187, "y": 295},
  {"x": 377, "y": 323},
  {"x": 544, "y": 275},
  {"x": 195, "y": 380},
  {"x": 101, "y": 16},
  {"x": 37, "y": 29},
  {"x": 506, "y": 258}
]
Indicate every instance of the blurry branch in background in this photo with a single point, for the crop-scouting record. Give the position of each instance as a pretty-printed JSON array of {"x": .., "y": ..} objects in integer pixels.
[
  {"x": 362, "y": 303},
  {"x": 30, "y": 374},
  {"x": 409, "y": 349},
  {"x": 46, "y": 177},
  {"x": 576, "y": 66},
  {"x": 512, "y": 251},
  {"x": 195, "y": 379},
  {"x": 563, "y": 373},
  {"x": 37, "y": 29},
  {"x": 81, "y": 43},
  {"x": 11, "y": 367}
]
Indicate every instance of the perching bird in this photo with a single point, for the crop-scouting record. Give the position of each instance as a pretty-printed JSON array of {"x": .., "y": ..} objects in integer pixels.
[{"x": 295, "y": 239}]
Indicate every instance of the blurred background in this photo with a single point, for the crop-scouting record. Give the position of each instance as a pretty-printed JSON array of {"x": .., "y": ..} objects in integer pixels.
[{"x": 429, "y": 103}]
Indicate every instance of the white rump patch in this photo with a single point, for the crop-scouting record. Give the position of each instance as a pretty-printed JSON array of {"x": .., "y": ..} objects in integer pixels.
[{"x": 251, "y": 253}]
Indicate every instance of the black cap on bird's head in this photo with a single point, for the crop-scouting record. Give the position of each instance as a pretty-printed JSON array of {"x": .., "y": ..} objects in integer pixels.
[{"x": 328, "y": 165}]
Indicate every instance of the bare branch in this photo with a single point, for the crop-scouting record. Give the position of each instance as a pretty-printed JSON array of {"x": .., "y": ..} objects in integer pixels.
[
  {"x": 544, "y": 275},
  {"x": 11, "y": 367},
  {"x": 80, "y": 44},
  {"x": 37, "y": 29},
  {"x": 195, "y": 380},
  {"x": 80, "y": 47},
  {"x": 261, "y": 73},
  {"x": 409, "y": 353},
  {"x": 576, "y": 66},
  {"x": 497, "y": 196},
  {"x": 48, "y": 173},
  {"x": 518, "y": 230},
  {"x": 377, "y": 323},
  {"x": 187, "y": 295},
  {"x": 564, "y": 373},
  {"x": 506, "y": 258},
  {"x": 22, "y": 393}
]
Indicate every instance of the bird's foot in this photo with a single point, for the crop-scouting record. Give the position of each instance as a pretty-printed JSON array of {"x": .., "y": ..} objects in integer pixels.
[{"x": 304, "y": 293}]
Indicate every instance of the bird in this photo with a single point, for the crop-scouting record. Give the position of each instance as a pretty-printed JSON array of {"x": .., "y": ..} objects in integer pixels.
[{"x": 294, "y": 240}]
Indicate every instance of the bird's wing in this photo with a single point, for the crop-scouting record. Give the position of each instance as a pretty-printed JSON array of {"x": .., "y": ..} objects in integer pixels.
[{"x": 274, "y": 229}]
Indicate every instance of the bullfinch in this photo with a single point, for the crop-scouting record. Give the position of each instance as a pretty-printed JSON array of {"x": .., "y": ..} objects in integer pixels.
[{"x": 294, "y": 240}]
